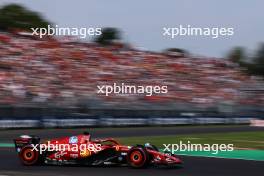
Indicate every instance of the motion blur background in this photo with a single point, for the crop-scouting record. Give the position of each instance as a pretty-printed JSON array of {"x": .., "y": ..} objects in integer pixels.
[{"x": 57, "y": 77}]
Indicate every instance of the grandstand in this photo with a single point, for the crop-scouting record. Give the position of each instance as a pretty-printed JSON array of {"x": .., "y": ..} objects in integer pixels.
[{"x": 51, "y": 73}]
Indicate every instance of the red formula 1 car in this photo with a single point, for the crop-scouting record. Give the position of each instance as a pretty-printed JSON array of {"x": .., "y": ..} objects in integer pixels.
[{"x": 82, "y": 150}]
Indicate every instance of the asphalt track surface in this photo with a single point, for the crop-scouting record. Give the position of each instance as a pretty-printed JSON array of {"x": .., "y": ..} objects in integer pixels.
[{"x": 193, "y": 166}]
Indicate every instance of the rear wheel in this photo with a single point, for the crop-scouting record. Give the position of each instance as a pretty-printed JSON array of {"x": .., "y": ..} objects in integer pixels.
[
  {"x": 28, "y": 156},
  {"x": 137, "y": 157}
]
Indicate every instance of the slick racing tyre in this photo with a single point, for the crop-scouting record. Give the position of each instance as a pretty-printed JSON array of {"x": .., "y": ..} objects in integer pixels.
[
  {"x": 28, "y": 156},
  {"x": 137, "y": 157}
]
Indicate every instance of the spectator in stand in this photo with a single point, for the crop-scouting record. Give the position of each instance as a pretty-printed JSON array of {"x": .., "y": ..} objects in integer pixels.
[{"x": 55, "y": 72}]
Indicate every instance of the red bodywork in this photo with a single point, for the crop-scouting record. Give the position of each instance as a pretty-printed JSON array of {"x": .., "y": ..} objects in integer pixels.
[{"x": 97, "y": 152}]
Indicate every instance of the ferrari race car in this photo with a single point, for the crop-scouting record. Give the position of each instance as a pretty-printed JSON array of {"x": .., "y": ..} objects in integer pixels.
[{"x": 82, "y": 150}]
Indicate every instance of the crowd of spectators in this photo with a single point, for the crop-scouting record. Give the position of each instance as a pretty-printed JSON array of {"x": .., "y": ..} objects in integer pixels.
[{"x": 66, "y": 73}]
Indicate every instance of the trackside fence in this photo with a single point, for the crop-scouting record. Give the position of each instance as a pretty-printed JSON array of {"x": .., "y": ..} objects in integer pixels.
[{"x": 115, "y": 122}]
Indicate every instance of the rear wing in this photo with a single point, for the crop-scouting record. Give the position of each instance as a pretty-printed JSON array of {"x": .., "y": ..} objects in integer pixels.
[{"x": 24, "y": 141}]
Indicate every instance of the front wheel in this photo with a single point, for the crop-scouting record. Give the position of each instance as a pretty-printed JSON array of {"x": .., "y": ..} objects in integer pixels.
[{"x": 137, "y": 157}]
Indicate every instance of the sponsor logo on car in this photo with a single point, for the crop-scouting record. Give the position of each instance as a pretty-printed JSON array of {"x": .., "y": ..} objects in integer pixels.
[
  {"x": 60, "y": 154},
  {"x": 85, "y": 153},
  {"x": 73, "y": 140},
  {"x": 74, "y": 155}
]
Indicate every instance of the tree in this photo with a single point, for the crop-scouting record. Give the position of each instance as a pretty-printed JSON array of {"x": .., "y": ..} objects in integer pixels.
[
  {"x": 260, "y": 55},
  {"x": 176, "y": 52},
  {"x": 259, "y": 60},
  {"x": 15, "y": 16},
  {"x": 237, "y": 55},
  {"x": 108, "y": 36},
  {"x": 254, "y": 65}
]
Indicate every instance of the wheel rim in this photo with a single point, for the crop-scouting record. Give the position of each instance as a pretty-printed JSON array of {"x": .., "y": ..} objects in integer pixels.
[
  {"x": 136, "y": 157},
  {"x": 28, "y": 154}
]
